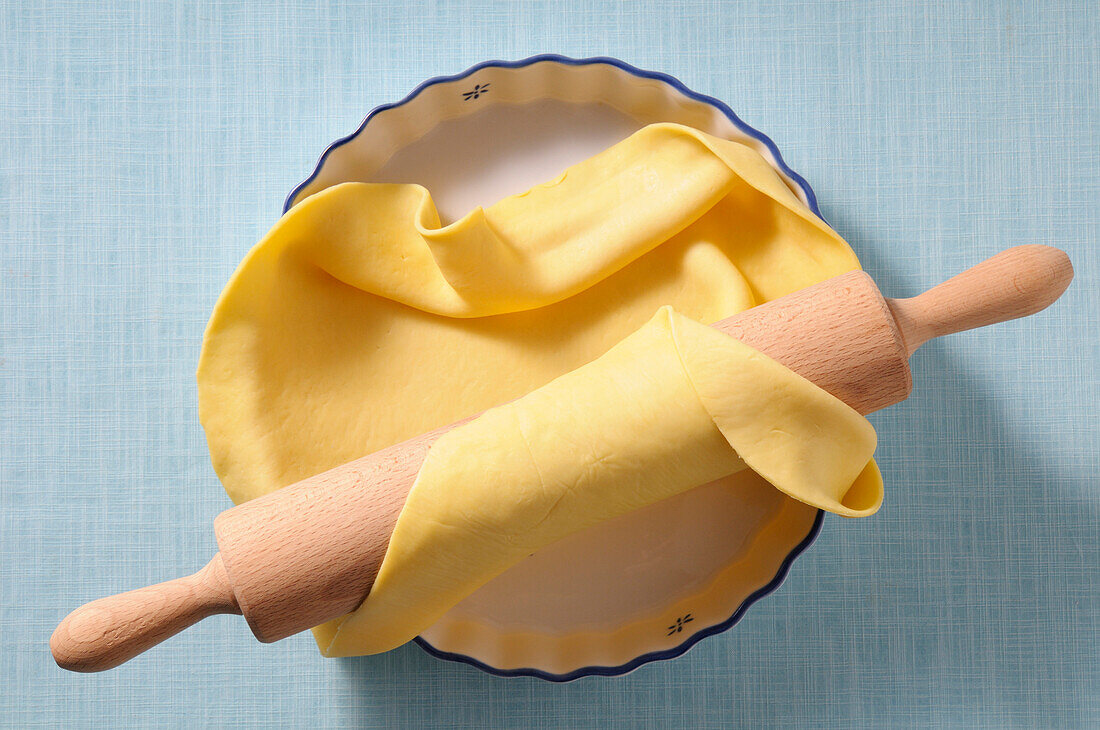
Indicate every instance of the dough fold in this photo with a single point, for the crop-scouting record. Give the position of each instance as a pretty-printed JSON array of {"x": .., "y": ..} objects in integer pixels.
[
  {"x": 360, "y": 320},
  {"x": 674, "y": 405}
]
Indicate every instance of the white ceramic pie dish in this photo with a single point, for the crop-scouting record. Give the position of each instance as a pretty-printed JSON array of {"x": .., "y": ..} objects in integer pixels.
[{"x": 648, "y": 585}]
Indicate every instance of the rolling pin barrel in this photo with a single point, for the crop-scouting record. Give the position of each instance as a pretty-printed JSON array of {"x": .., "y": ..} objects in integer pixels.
[{"x": 310, "y": 552}]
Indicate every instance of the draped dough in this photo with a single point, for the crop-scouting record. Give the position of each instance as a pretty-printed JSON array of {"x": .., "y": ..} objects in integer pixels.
[
  {"x": 675, "y": 405},
  {"x": 360, "y": 321}
]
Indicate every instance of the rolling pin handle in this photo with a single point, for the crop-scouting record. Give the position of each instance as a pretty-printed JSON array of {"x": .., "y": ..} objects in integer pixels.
[
  {"x": 1016, "y": 282},
  {"x": 107, "y": 632}
]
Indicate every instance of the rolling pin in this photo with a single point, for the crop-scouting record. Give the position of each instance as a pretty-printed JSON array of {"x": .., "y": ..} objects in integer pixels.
[{"x": 309, "y": 552}]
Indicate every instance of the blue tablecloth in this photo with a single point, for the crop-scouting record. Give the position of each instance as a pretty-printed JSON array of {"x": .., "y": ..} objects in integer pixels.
[{"x": 144, "y": 147}]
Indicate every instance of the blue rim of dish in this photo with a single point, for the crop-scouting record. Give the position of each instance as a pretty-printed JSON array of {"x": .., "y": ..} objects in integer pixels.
[
  {"x": 654, "y": 656},
  {"x": 756, "y": 134},
  {"x": 811, "y": 198}
]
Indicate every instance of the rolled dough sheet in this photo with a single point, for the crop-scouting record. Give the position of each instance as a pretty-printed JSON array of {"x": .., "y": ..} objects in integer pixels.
[
  {"x": 359, "y": 322},
  {"x": 675, "y": 405}
]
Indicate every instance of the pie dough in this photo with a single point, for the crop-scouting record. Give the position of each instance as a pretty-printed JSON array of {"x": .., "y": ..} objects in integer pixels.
[{"x": 359, "y": 321}]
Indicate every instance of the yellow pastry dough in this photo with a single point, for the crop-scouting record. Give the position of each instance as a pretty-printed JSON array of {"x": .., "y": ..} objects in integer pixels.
[
  {"x": 675, "y": 405},
  {"x": 359, "y": 321}
]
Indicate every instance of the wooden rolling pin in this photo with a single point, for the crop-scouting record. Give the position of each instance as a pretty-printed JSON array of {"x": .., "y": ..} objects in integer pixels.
[{"x": 308, "y": 553}]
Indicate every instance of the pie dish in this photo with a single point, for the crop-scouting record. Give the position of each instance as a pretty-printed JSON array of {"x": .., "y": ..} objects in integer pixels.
[{"x": 647, "y": 585}]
